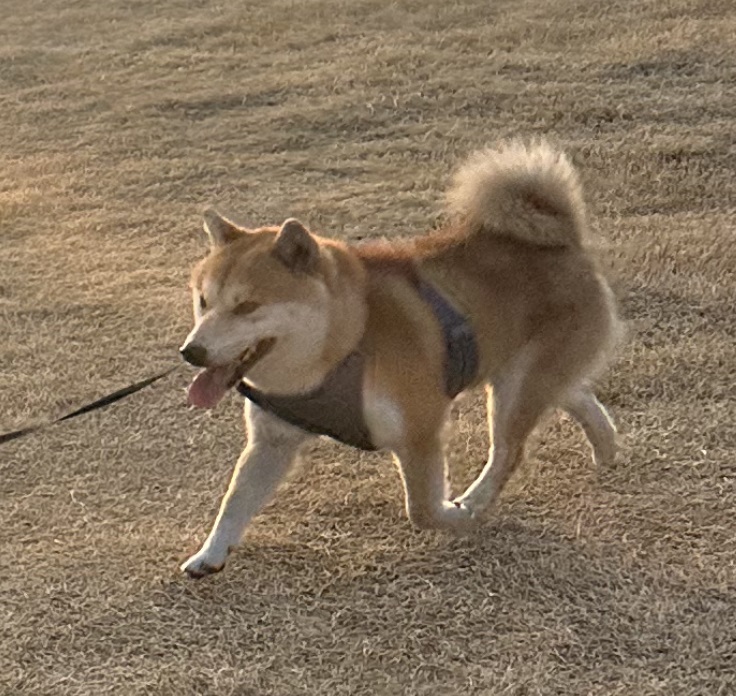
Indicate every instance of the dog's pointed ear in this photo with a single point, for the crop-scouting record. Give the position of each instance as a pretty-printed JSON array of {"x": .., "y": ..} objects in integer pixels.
[
  {"x": 219, "y": 229},
  {"x": 296, "y": 248}
]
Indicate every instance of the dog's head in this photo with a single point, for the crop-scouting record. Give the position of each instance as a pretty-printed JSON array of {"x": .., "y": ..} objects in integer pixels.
[{"x": 261, "y": 307}]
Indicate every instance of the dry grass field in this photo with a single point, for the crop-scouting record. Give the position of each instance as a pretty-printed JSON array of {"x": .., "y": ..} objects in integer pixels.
[{"x": 121, "y": 121}]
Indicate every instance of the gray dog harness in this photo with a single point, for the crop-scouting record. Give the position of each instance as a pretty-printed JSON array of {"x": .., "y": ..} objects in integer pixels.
[{"x": 335, "y": 407}]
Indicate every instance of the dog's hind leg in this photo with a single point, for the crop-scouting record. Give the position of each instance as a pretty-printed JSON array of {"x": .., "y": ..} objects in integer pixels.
[
  {"x": 515, "y": 404},
  {"x": 582, "y": 405},
  {"x": 271, "y": 451}
]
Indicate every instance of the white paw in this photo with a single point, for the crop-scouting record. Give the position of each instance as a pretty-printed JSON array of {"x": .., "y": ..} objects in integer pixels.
[
  {"x": 604, "y": 455},
  {"x": 204, "y": 562},
  {"x": 464, "y": 507},
  {"x": 458, "y": 516},
  {"x": 473, "y": 511}
]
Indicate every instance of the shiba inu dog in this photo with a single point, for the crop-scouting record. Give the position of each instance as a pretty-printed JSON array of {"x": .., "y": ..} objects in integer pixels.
[{"x": 370, "y": 343}]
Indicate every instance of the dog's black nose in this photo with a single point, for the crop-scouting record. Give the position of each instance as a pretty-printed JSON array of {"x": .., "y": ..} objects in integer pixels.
[{"x": 194, "y": 354}]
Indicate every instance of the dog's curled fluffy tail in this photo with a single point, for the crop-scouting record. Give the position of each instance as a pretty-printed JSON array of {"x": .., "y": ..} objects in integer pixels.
[{"x": 529, "y": 192}]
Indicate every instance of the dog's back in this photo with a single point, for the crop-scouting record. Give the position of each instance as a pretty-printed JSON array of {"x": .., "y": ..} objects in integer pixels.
[{"x": 516, "y": 257}]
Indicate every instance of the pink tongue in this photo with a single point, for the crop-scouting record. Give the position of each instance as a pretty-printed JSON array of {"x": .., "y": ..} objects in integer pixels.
[{"x": 209, "y": 386}]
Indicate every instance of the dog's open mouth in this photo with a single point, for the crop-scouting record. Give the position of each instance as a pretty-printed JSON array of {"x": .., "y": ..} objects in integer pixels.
[{"x": 212, "y": 383}]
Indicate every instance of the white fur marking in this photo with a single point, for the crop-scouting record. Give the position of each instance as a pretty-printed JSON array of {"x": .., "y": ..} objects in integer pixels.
[
  {"x": 297, "y": 326},
  {"x": 384, "y": 419}
]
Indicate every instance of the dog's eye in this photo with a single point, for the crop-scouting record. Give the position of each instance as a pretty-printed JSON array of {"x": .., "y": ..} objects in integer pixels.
[
  {"x": 246, "y": 307},
  {"x": 202, "y": 303}
]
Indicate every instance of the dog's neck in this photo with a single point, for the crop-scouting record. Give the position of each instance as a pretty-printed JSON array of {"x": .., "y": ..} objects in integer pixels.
[{"x": 349, "y": 308}]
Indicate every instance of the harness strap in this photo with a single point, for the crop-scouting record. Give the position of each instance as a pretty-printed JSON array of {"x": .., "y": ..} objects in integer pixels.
[
  {"x": 461, "y": 348},
  {"x": 335, "y": 407}
]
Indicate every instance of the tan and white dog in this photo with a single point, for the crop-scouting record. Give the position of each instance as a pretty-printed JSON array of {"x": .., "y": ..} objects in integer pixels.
[{"x": 278, "y": 310}]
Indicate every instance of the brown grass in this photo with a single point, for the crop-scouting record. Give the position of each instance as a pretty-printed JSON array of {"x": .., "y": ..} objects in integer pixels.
[{"x": 121, "y": 121}]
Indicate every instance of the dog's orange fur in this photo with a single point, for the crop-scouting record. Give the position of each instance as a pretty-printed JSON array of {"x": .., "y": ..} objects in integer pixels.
[{"x": 513, "y": 260}]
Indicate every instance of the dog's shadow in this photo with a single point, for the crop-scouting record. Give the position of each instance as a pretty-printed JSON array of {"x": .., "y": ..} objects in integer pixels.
[
  {"x": 418, "y": 609},
  {"x": 515, "y": 581}
]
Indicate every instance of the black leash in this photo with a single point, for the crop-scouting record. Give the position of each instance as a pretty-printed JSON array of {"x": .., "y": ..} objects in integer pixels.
[{"x": 93, "y": 406}]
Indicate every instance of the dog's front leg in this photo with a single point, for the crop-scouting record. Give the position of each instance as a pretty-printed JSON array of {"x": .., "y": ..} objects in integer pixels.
[
  {"x": 271, "y": 451},
  {"x": 422, "y": 467}
]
